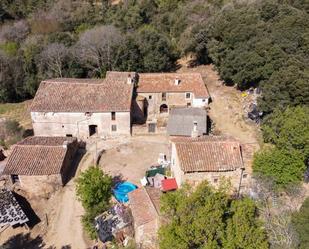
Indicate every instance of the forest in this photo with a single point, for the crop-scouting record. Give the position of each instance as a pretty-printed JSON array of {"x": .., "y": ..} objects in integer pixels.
[{"x": 251, "y": 43}]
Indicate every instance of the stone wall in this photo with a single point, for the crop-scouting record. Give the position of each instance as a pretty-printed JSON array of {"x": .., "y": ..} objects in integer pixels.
[
  {"x": 172, "y": 100},
  {"x": 77, "y": 124},
  {"x": 40, "y": 185},
  {"x": 146, "y": 235}
]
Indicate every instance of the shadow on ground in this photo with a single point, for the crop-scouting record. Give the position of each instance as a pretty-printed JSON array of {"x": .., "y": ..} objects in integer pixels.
[{"x": 24, "y": 241}]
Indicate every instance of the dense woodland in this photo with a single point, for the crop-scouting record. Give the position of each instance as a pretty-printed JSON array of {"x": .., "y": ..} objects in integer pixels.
[{"x": 257, "y": 43}]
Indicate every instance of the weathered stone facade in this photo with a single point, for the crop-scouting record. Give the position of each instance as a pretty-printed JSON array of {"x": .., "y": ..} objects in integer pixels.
[
  {"x": 238, "y": 177},
  {"x": 79, "y": 124},
  {"x": 41, "y": 165}
]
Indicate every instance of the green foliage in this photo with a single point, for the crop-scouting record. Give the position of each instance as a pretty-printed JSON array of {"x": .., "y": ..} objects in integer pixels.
[
  {"x": 243, "y": 230},
  {"x": 263, "y": 43},
  {"x": 204, "y": 218},
  {"x": 10, "y": 48},
  {"x": 300, "y": 221},
  {"x": 288, "y": 130},
  {"x": 156, "y": 51},
  {"x": 283, "y": 167},
  {"x": 94, "y": 190}
]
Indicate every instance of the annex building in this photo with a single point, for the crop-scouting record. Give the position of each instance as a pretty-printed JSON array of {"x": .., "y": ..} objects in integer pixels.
[
  {"x": 211, "y": 158},
  {"x": 40, "y": 165}
]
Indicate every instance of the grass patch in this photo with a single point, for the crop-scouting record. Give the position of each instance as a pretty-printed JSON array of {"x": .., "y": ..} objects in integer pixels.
[{"x": 17, "y": 111}]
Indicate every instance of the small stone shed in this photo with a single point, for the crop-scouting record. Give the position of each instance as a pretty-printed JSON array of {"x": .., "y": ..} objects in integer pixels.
[
  {"x": 187, "y": 122},
  {"x": 211, "y": 158},
  {"x": 40, "y": 165},
  {"x": 145, "y": 205}
]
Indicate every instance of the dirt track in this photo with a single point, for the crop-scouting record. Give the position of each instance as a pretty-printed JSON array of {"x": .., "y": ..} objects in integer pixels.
[{"x": 226, "y": 109}]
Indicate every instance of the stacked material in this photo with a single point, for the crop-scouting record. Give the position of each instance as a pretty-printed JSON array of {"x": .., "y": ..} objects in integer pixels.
[{"x": 10, "y": 211}]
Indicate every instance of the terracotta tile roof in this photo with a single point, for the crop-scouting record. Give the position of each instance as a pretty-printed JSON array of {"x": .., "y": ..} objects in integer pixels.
[
  {"x": 208, "y": 154},
  {"x": 38, "y": 156},
  {"x": 119, "y": 75},
  {"x": 83, "y": 95},
  {"x": 143, "y": 208},
  {"x": 165, "y": 82}
]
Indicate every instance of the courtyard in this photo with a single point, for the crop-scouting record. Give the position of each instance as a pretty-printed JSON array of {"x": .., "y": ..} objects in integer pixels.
[{"x": 130, "y": 160}]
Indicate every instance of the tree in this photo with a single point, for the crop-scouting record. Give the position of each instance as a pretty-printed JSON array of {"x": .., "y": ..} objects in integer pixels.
[
  {"x": 300, "y": 221},
  {"x": 53, "y": 59},
  {"x": 288, "y": 130},
  {"x": 204, "y": 218},
  {"x": 96, "y": 48},
  {"x": 243, "y": 229},
  {"x": 94, "y": 188},
  {"x": 283, "y": 167},
  {"x": 156, "y": 50}
]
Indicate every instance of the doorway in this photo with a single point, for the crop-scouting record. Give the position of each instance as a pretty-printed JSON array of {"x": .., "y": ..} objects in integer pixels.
[
  {"x": 152, "y": 127},
  {"x": 93, "y": 130}
]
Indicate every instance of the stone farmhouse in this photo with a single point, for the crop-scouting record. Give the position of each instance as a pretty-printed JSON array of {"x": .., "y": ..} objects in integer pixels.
[
  {"x": 84, "y": 108},
  {"x": 208, "y": 158},
  {"x": 39, "y": 165}
]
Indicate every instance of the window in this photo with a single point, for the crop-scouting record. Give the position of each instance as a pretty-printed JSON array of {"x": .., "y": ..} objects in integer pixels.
[
  {"x": 188, "y": 95},
  {"x": 163, "y": 96},
  {"x": 15, "y": 179},
  {"x": 163, "y": 108},
  {"x": 113, "y": 115},
  {"x": 215, "y": 180},
  {"x": 93, "y": 129},
  {"x": 188, "y": 104},
  {"x": 69, "y": 135},
  {"x": 114, "y": 127},
  {"x": 150, "y": 97}
]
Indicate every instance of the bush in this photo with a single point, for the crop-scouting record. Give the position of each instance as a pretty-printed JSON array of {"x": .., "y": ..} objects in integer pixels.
[
  {"x": 288, "y": 129},
  {"x": 300, "y": 221},
  {"x": 94, "y": 190},
  {"x": 283, "y": 167}
]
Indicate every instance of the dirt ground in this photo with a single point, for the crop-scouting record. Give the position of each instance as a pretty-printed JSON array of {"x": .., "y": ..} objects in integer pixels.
[
  {"x": 130, "y": 160},
  {"x": 227, "y": 107}
]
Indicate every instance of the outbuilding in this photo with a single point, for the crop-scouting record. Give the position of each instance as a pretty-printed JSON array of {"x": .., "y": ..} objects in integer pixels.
[
  {"x": 187, "y": 122},
  {"x": 211, "y": 158},
  {"x": 39, "y": 165}
]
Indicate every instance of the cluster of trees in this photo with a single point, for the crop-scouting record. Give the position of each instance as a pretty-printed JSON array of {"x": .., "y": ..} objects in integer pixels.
[
  {"x": 265, "y": 44},
  {"x": 94, "y": 190},
  {"x": 205, "y": 218},
  {"x": 286, "y": 161},
  {"x": 255, "y": 43}
]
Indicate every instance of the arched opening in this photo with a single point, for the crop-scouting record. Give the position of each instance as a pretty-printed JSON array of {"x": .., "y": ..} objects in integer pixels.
[{"x": 163, "y": 108}]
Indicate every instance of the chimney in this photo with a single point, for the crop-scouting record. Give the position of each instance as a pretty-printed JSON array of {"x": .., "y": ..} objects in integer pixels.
[
  {"x": 177, "y": 81},
  {"x": 65, "y": 144},
  {"x": 129, "y": 80},
  {"x": 194, "y": 132}
]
